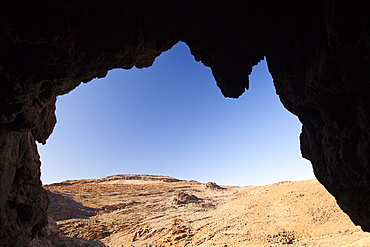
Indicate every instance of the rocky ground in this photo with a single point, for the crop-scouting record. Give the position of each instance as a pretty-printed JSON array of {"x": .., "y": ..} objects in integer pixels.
[{"x": 144, "y": 210}]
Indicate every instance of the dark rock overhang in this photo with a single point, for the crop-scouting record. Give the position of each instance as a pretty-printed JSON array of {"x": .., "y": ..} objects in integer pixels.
[{"x": 317, "y": 52}]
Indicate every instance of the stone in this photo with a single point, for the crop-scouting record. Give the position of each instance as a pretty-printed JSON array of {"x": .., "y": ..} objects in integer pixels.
[
  {"x": 47, "y": 236},
  {"x": 184, "y": 198},
  {"x": 62, "y": 207},
  {"x": 319, "y": 61},
  {"x": 23, "y": 201},
  {"x": 212, "y": 186}
]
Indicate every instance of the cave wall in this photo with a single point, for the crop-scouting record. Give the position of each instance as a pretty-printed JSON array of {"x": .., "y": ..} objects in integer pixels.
[{"x": 317, "y": 53}]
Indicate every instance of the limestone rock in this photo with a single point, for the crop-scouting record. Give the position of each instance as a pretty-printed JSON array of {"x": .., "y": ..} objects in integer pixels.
[
  {"x": 47, "y": 236},
  {"x": 23, "y": 202},
  {"x": 184, "y": 198},
  {"x": 213, "y": 186},
  {"x": 319, "y": 61},
  {"x": 62, "y": 207}
]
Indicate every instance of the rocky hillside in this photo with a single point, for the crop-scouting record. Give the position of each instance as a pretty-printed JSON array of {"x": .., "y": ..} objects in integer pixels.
[{"x": 145, "y": 210}]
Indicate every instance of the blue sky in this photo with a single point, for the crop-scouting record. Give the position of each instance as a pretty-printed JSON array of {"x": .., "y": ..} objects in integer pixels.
[{"x": 171, "y": 119}]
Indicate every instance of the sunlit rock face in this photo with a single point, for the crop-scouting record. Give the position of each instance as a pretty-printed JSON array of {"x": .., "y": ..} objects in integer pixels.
[{"x": 317, "y": 53}]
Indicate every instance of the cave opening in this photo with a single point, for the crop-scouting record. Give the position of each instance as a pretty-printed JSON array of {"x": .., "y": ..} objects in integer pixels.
[
  {"x": 318, "y": 59},
  {"x": 171, "y": 119}
]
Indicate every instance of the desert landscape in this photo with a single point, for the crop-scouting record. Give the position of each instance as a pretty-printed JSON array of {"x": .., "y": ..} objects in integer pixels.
[{"x": 159, "y": 211}]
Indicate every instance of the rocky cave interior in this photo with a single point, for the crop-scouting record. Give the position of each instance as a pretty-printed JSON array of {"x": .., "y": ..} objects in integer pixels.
[{"x": 317, "y": 52}]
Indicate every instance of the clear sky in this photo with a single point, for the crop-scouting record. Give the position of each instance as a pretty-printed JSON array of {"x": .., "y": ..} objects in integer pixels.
[{"x": 171, "y": 119}]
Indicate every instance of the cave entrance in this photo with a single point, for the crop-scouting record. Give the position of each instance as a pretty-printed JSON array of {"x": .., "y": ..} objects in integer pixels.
[{"x": 171, "y": 119}]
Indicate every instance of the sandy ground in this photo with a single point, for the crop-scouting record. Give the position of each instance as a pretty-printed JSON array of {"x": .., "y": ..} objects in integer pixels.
[{"x": 146, "y": 211}]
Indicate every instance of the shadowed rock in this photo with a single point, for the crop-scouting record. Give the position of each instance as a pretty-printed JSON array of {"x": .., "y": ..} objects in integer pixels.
[
  {"x": 317, "y": 51},
  {"x": 184, "y": 198},
  {"x": 62, "y": 208},
  {"x": 213, "y": 186}
]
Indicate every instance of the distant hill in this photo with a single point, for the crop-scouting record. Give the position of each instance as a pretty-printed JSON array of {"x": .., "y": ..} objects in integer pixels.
[
  {"x": 121, "y": 179},
  {"x": 150, "y": 210}
]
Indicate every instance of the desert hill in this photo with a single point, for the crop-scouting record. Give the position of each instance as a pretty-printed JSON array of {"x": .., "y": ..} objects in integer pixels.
[
  {"x": 122, "y": 179},
  {"x": 147, "y": 210}
]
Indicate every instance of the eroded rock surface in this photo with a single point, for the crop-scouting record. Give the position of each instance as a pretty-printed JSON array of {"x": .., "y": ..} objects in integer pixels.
[
  {"x": 317, "y": 52},
  {"x": 47, "y": 236},
  {"x": 187, "y": 213},
  {"x": 22, "y": 199}
]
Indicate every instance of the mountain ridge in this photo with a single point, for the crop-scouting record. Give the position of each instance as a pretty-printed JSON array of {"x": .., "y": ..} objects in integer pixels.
[{"x": 119, "y": 177}]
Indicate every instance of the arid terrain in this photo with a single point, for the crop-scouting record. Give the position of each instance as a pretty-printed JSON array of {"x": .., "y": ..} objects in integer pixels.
[{"x": 145, "y": 210}]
